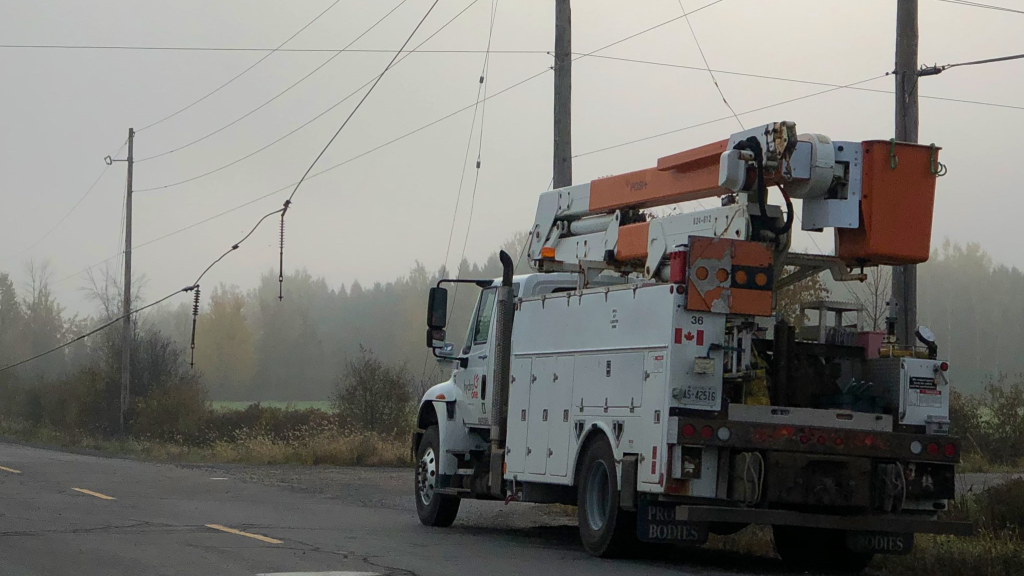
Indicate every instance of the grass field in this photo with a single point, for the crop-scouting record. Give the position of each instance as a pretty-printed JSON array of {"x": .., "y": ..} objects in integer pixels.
[{"x": 225, "y": 405}]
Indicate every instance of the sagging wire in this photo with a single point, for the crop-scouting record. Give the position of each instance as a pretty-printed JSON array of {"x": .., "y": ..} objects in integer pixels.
[
  {"x": 100, "y": 328},
  {"x": 358, "y": 105}
]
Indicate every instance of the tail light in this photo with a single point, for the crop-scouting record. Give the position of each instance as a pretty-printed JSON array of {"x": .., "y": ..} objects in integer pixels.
[
  {"x": 707, "y": 432},
  {"x": 944, "y": 366},
  {"x": 949, "y": 450},
  {"x": 933, "y": 449},
  {"x": 689, "y": 430}
]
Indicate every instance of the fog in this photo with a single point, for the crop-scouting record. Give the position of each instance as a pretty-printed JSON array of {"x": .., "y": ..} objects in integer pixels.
[{"x": 373, "y": 218}]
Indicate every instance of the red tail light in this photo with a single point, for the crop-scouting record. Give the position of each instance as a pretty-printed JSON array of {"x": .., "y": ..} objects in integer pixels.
[
  {"x": 689, "y": 430},
  {"x": 933, "y": 449},
  {"x": 949, "y": 450},
  {"x": 707, "y": 432},
  {"x": 944, "y": 366}
]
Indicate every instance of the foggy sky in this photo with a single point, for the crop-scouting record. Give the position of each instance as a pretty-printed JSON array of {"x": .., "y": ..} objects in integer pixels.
[{"x": 64, "y": 110}]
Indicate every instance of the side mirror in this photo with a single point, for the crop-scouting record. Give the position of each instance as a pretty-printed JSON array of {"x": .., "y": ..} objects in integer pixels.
[
  {"x": 437, "y": 317},
  {"x": 437, "y": 308}
]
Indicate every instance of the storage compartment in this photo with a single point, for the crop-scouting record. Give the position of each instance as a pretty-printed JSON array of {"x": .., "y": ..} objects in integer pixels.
[{"x": 896, "y": 207}]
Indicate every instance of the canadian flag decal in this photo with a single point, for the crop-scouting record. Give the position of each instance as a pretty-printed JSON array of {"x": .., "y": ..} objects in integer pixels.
[{"x": 700, "y": 337}]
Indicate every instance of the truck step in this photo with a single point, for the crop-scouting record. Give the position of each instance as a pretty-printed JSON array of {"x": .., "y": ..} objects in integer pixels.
[{"x": 453, "y": 491}]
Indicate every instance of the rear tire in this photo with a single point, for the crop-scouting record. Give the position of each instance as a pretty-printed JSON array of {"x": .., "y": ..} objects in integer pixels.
[
  {"x": 817, "y": 549},
  {"x": 433, "y": 509},
  {"x": 606, "y": 530}
]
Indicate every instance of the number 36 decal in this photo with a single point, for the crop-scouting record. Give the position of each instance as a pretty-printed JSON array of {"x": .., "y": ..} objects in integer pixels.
[{"x": 698, "y": 320}]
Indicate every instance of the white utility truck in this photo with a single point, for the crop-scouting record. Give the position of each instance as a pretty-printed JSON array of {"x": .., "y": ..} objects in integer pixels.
[{"x": 644, "y": 375}]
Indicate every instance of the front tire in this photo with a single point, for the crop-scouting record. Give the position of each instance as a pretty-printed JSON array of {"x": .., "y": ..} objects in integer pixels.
[
  {"x": 817, "y": 549},
  {"x": 433, "y": 509},
  {"x": 606, "y": 530}
]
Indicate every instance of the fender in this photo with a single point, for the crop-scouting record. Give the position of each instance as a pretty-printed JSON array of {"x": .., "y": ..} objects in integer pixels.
[
  {"x": 453, "y": 434},
  {"x": 598, "y": 427}
]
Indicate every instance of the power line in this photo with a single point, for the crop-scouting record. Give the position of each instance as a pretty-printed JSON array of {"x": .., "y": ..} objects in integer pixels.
[
  {"x": 311, "y": 120},
  {"x": 97, "y": 329},
  {"x": 800, "y": 81},
  {"x": 273, "y": 50},
  {"x": 69, "y": 212},
  {"x": 359, "y": 104},
  {"x": 279, "y": 94},
  {"x": 469, "y": 140},
  {"x": 705, "y": 123},
  {"x": 251, "y": 154},
  {"x": 708, "y": 67},
  {"x": 980, "y": 5},
  {"x": 240, "y": 74}
]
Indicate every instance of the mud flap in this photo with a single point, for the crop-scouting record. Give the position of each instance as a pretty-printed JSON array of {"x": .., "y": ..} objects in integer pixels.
[
  {"x": 880, "y": 542},
  {"x": 656, "y": 522}
]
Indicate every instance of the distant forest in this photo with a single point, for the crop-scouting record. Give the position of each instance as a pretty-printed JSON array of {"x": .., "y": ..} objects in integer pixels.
[{"x": 250, "y": 346}]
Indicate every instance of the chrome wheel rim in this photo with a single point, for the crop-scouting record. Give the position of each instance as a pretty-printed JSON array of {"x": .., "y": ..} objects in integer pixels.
[
  {"x": 598, "y": 496},
  {"x": 426, "y": 476}
]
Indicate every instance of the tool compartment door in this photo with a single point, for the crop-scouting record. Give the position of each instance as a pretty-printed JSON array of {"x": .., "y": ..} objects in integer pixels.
[
  {"x": 559, "y": 425},
  {"x": 613, "y": 380},
  {"x": 541, "y": 384},
  {"x": 518, "y": 411}
]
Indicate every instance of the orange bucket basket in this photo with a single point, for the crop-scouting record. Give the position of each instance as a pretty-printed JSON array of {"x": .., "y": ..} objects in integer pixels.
[{"x": 897, "y": 203}]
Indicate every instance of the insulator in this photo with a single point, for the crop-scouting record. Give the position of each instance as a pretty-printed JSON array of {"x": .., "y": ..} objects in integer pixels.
[
  {"x": 280, "y": 273},
  {"x": 195, "y": 316}
]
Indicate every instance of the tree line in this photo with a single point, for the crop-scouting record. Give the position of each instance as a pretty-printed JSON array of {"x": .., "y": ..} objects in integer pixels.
[{"x": 250, "y": 346}]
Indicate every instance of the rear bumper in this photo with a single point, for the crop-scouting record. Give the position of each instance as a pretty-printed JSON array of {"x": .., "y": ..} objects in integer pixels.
[{"x": 896, "y": 523}]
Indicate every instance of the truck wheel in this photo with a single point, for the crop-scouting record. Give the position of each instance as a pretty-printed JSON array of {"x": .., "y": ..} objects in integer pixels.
[
  {"x": 433, "y": 509},
  {"x": 606, "y": 530},
  {"x": 817, "y": 549}
]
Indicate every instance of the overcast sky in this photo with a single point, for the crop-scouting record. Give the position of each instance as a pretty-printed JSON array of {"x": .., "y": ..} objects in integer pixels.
[{"x": 371, "y": 219}]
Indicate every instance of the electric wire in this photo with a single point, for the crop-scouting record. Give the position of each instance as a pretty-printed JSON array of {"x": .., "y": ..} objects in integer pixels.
[
  {"x": 485, "y": 72},
  {"x": 240, "y": 74},
  {"x": 194, "y": 286},
  {"x": 469, "y": 143},
  {"x": 707, "y": 122},
  {"x": 984, "y": 6},
  {"x": 311, "y": 120},
  {"x": 68, "y": 213},
  {"x": 360, "y": 103},
  {"x": 100, "y": 328},
  {"x": 288, "y": 202},
  {"x": 279, "y": 94},
  {"x": 708, "y": 66},
  {"x": 800, "y": 81},
  {"x": 243, "y": 49}
]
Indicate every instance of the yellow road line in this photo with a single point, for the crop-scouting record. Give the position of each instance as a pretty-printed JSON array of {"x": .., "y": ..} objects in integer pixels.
[
  {"x": 96, "y": 494},
  {"x": 259, "y": 537},
  {"x": 11, "y": 470}
]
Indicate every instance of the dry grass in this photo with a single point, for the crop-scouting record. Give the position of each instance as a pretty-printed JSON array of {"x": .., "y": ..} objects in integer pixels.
[{"x": 322, "y": 446}]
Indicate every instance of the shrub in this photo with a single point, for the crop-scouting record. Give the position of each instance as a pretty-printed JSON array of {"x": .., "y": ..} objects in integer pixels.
[{"x": 374, "y": 396}]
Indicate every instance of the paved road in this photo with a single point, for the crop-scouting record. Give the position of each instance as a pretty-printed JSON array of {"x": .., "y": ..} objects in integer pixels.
[{"x": 63, "y": 513}]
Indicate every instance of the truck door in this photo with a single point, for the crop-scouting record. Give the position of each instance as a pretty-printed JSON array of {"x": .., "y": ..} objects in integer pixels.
[{"x": 474, "y": 379}]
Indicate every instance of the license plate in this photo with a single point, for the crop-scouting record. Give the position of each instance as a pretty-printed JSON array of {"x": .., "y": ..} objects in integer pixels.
[
  {"x": 880, "y": 542},
  {"x": 656, "y": 522}
]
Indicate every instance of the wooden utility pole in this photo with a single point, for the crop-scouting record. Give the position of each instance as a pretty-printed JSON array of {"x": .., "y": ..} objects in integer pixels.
[
  {"x": 904, "y": 278},
  {"x": 126, "y": 334},
  {"x": 563, "y": 95}
]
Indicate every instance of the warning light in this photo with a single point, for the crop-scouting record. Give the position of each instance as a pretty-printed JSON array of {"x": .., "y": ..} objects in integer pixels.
[{"x": 944, "y": 366}]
